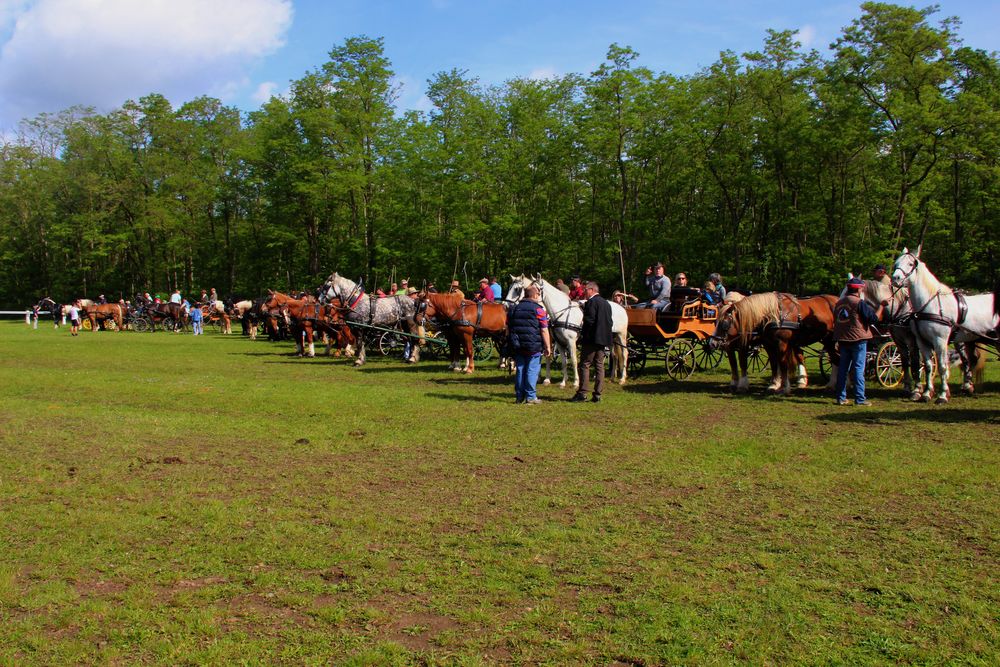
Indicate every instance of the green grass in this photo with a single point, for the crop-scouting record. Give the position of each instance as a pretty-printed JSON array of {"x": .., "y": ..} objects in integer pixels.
[{"x": 179, "y": 500}]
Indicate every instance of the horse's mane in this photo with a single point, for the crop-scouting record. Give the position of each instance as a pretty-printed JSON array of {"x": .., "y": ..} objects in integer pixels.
[{"x": 754, "y": 311}]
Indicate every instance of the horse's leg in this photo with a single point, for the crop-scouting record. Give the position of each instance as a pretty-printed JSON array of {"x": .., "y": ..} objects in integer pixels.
[
  {"x": 360, "y": 360},
  {"x": 311, "y": 336},
  {"x": 773, "y": 348},
  {"x": 574, "y": 361},
  {"x": 788, "y": 363},
  {"x": 803, "y": 380},
  {"x": 944, "y": 370},
  {"x": 470, "y": 358},
  {"x": 417, "y": 329},
  {"x": 733, "y": 368},
  {"x": 621, "y": 349},
  {"x": 743, "y": 386},
  {"x": 971, "y": 362}
]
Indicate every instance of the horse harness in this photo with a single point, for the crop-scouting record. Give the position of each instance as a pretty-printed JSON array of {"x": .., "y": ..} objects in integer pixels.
[
  {"x": 785, "y": 320},
  {"x": 939, "y": 317}
]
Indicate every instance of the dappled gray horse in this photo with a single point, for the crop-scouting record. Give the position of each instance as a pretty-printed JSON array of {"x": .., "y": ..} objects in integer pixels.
[{"x": 390, "y": 312}]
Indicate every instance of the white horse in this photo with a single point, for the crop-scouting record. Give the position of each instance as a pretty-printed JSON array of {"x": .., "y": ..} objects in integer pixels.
[
  {"x": 937, "y": 318},
  {"x": 565, "y": 324},
  {"x": 386, "y": 312}
]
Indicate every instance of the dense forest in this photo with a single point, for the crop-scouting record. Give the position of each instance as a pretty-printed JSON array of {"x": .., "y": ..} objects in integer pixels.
[{"x": 779, "y": 168}]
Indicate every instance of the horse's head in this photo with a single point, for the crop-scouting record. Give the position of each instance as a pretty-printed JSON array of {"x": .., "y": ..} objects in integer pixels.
[
  {"x": 904, "y": 267},
  {"x": 726, "y": 330},
  {"x": 516, "y": 291},
  {"x": 273, "y": 300}
]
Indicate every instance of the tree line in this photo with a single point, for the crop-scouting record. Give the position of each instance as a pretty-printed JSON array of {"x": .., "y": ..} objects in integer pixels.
[{"x": 778, "y": 168}]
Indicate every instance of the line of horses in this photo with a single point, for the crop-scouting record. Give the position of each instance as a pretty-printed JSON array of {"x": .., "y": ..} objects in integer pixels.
[{"x": 923, "y": 314}]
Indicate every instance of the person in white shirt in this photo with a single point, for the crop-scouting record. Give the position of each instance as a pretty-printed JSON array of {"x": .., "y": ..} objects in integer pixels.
[
  {"x": 176, "y": 296},
  {"x": 74, "y": 318}
]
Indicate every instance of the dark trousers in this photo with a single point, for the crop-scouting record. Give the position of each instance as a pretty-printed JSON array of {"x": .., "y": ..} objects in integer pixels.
[{"x": 591, "y": 355}]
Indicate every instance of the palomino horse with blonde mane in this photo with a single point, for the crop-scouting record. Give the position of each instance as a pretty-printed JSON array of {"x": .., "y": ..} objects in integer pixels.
[
  {"x": 306, "y": 318},
  {"x": 565, "y": 325},
  {"x": 218, "y": 309},
  {"x": 941, "y": 314},
  {"x": 389, "y": 312},
  {"x": 784, "y": 325},
  {"x": 105, "y": 312},
  {"x": 460, "y": 320}
]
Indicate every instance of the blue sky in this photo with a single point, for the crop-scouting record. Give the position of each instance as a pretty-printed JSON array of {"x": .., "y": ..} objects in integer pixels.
[{"x": 57, "y": 53}]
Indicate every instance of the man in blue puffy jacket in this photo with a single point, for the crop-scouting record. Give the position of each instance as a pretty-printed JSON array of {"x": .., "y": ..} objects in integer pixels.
[{"x": 528, "y": 329}]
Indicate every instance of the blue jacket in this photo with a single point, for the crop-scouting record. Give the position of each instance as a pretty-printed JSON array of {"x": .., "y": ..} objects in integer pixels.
[{"x": 524, "y": 326}]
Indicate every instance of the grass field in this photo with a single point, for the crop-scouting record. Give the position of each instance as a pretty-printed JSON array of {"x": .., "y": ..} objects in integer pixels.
[{"x": 178, "y": 500}]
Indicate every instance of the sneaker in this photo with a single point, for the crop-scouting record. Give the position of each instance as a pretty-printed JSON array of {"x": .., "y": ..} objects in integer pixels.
[
  {"x": 518, "y": 401},
  {"x": 595, "y": 399},
  {"x": 865, "y": 404},
  {"x": 578, "y": 398},
  {"x": 843, "y": 401},
  {"x": 533, "y": 401}
]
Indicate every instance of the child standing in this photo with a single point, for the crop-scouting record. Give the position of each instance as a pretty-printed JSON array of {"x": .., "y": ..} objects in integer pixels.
[
  {"x": 196, "y": 320},
  {"x": 74, "y": 318}
]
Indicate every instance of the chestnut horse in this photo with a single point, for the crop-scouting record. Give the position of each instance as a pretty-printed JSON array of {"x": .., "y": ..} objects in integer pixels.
[
  {"x": 104, "y": 312},
  {"x": 460, "y": 320},
  {"x": 307, "y": 317},
  {"x": 160, "y": 311},
  {"x": 784, "y": 325}
]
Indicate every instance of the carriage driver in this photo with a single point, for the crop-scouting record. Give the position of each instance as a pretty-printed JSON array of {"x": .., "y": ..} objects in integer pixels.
[
  {"x": 659, "y": 288},
  {"x": 881, "y": 276}
]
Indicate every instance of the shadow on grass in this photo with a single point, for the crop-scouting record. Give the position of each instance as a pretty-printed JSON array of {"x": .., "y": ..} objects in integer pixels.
[
  {"x": 936, "y": 414},
  {"x": 474, "y": 379},
  {"x": 491, "y": 397}
]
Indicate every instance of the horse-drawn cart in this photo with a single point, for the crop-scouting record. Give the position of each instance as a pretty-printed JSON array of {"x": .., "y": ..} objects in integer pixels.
[{"x": 679, "y": 336}]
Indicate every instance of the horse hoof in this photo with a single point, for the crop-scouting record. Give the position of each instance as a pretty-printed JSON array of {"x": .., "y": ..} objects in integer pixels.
[
  {"x": 546, "y": 382},
  {"x": 468, "y": 371},
  {"x": 915, "y": 397},
  {"x": 941, "y": 400}
]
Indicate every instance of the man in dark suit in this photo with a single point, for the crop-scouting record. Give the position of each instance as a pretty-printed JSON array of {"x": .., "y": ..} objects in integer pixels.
[{"x": 596, "y": 337}]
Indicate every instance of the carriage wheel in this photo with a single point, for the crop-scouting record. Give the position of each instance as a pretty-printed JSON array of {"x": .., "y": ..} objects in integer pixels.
[
  {"x": 168, "y": 323},
  {"x": 707, "y": 358},
  {"x": 431, "y": 350},
  {"x": 680, "y": 358},
  {"x": 110, "y": 325},
  {"x": 482, "y": 348},
  {"x": 889, "y": 365},
  {"x": 636, "y": 358},
  {"x": 757, "y": 361},
  {"x": 390, "y": 343},
  {"x": 142, "y": 324},
  {"x": 85, "y": 324}
]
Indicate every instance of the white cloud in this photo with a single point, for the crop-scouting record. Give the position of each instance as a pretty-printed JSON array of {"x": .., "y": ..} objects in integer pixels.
[
  {"x": 543, "y": 73},
  {"x": 59, "y": 53},
  {"x": 264, "y": 92},
  {"x": 806, "y": 35}
]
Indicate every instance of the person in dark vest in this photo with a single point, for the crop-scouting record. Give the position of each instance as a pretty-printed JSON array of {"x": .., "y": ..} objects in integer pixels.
[
  {"x": 528, "y": 332},
  {"x": 596, "y": 337},
  {"x": 852, "y": 317}
]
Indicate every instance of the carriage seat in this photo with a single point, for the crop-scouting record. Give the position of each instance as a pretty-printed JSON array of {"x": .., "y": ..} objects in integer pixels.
[{"x": 683, "y": 296}]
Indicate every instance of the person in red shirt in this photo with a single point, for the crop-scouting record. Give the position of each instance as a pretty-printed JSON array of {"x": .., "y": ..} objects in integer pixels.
[
  {"x": 576, "y": 290},
  {"x": 485, "y": 292}
]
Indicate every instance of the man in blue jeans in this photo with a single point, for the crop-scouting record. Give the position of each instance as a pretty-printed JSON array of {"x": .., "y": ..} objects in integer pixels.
[
  {"x": 852, "y": 317},
  {"x": 528, "y": 328}
]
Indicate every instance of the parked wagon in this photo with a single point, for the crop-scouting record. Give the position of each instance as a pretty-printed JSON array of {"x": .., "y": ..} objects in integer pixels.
[{"x": 678, "y": 336}]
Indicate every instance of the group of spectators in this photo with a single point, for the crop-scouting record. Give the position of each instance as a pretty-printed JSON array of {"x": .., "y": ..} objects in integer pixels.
[{"x": 661, "y": 289}]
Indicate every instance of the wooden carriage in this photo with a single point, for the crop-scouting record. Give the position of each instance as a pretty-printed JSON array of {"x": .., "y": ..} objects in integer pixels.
[{"x": 679, "y": 335}]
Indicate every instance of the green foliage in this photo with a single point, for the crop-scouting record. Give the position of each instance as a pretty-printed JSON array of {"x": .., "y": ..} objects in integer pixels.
[{"x": 778, "y": 168}]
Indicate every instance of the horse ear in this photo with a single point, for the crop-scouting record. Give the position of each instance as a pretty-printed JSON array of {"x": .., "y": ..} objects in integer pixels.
[
  {"x": 906, "y": 250},
  {"x": 849, "y": 275},
  {"x": 917, "y": 253}
]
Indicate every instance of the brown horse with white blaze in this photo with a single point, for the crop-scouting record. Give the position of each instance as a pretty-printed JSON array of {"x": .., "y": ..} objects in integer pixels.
[{"x": 461, "y": 320}]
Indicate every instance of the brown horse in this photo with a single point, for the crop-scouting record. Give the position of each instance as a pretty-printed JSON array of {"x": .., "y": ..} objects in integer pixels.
[
  {"x": 106, "y": 313},
  {"x": 216, "y": 311},
  {"x": 460, "y": 320},
  {"x": 306, "y": 317},
  {"x": 784, "y": 325},
  {"x": 158, "y": 312}
]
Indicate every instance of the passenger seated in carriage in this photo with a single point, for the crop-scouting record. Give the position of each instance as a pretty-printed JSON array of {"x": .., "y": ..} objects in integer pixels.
[
  {"x": 485, "y": 293},
  {"x": 624, "y": 299},
  {"x": 659, "y": 288}
]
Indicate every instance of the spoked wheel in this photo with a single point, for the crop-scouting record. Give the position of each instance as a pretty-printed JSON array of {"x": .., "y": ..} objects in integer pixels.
[
  {"x": 434, "y": 347},
  {"x": 390, "y": 343},
  {"x": 824, "y": 366},
  {"x": 168, "y": 323},
  {"x": 680, "y": 358},
  {"x": 142, "y": 324},
  {"x": 889, "y": 365},
  {"x": 85, "y": 324},
  {"x": 707, "y": 358},
  {"x": 637, "y": 354},
  {"x": 110, "y": 325},
  {"x": 756, "y": 361},
  {"x": 482, "y": 348}
]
